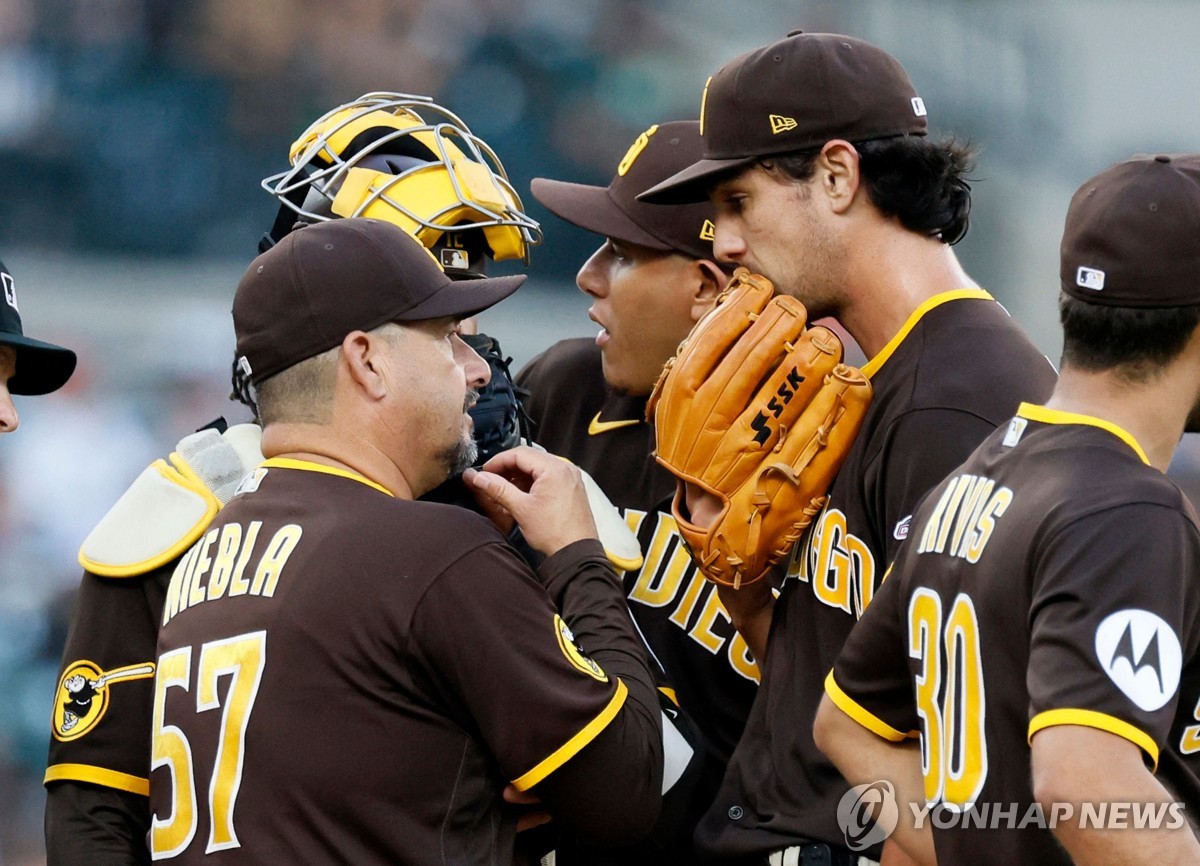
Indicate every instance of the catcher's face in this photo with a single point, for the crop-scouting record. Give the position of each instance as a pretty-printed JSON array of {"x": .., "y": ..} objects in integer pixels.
[
  {"x": 645, "y": 303},
  {"x": 777, "y": 227},
  {"x": 8, "y": 369}
]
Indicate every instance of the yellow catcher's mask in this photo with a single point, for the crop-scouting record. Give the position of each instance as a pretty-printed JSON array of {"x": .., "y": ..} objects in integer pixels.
[{"x": 406, "y": 160}]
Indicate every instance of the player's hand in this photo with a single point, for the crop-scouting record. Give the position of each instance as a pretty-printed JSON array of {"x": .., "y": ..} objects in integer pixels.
[
  {"x": 543, "y": 494},
  {"x": 750, "y": 609},
  {"x": 530, "y": 817},
  {"x": 703, "y": 508}
]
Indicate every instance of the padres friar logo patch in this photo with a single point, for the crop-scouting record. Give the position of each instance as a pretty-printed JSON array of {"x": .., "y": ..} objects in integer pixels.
[
  {"x": 82, "y": 696},
  {"x": 574, "y": 652}
]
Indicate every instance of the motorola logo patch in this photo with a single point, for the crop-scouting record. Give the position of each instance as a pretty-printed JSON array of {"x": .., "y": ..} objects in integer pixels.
[{"x": 1141, "y": 654}]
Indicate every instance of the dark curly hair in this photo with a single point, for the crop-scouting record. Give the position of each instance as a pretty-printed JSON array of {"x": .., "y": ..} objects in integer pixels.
[
  {"x": 1135, "y": 342},
  {"x": 919, "y": 181}
]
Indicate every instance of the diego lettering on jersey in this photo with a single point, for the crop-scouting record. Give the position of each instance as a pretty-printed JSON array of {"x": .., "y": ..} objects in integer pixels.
[
  {"x": 669, "y": 578},
  {"x": 836, "y": 563},
  {"x": 965, "y": 517},
  {"x": 218, "y": 565}
]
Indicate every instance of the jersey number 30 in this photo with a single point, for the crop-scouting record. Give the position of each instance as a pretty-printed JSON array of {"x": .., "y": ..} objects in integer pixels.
[
  {"x": 241, "y": 657},
  {"x": 950, "y": 697}
]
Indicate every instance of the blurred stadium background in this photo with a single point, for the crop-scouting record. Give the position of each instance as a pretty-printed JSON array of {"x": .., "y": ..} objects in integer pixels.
[{"x": 133, "y": 135}]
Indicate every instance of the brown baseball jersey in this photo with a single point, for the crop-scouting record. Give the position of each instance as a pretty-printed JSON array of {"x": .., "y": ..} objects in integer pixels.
[
  {"x": 105, "y": 688},
  {"x": 704, "y": 659},
  {"x": 97, "y": 775},
  {"x": 1049, "y": 580},
  {"x": 957, "y": 369},
  {"x": 344, "y": 676}
]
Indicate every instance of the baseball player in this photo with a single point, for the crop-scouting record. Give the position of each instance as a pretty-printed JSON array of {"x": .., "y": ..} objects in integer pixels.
[
  {"x": 824, "y": 180},
  {"x": 383, "y": 666},
  {"x": 1044, "y": 608},
  {"x": 378, "y": 154},
  {"x": 27, "y": 366},
  {"x": 650, "y": 281}
]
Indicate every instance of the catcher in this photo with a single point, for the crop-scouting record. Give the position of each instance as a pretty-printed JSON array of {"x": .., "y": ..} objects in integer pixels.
[
  {"x": 836, "y": 195},
  {"x": 376, "y": 156}
]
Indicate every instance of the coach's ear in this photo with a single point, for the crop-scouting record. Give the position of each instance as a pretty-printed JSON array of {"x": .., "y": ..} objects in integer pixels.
[
  {"x": 710, "y": 282},
  {"x": 365, "y": 362}
]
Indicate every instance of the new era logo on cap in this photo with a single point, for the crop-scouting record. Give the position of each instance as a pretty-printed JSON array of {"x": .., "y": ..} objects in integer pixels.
[
  {"x": 779, "y": 123},
  {"x": 10, "y": 290},
  {"x": 918, "y": 105},
  {"x": 1090, "y": 278}
]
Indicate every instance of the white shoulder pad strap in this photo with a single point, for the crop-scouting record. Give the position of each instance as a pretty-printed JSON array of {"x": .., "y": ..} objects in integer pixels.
[
  {"x": 171, "y": 503},
  {"x": 620, "y": 544}
]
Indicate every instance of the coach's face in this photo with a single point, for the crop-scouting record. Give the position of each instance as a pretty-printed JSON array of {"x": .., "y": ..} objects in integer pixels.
[
  {"x": 8, "y": 369},
  {"x": 438, "y": 376},
  {"x": 778, "y": 227}
]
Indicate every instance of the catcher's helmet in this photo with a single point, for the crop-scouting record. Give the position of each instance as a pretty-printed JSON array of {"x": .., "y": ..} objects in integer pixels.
[{"x": 407, "y": 160}]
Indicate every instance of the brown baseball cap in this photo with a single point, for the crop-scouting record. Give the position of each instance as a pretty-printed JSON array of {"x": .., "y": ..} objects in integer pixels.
[
  {"x": 322, "y": 281},
  {"x": 614, "y": 211},
  {"x": 1131, "y": 234},
  {"x": 795, "y": 94}
]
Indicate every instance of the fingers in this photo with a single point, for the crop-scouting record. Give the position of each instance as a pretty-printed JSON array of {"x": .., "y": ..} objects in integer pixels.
[
  {"x": 512, "y": 794},
  {"x": 533, "y": 818},
  {"x": 529, "y": 818},
  {"x": 490, "y": 491},
  {"x": 544, "y": 494},
  {"x": 734, "y": 316},
  {"x": 522, "y": 466}
]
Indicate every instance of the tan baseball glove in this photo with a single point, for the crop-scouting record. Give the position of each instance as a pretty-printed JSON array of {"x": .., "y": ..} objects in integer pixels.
[{"x": 758, "y": 410}]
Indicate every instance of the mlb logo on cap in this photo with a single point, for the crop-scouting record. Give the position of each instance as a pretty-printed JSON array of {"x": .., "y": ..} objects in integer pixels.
[
  {"x": 455, "y": 259},
  {"x": 1090, "y": 278},
  {"x": 10, "y": 291}
]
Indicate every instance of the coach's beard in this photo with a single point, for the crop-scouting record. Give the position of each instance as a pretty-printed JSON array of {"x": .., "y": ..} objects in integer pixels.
[{"x": 463, "y": 454}]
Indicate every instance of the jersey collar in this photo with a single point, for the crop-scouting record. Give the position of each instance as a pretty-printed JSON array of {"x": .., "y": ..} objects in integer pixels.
[
  {"x": 309, "y": 466},
  {"x": 870, "y": 368},
  {"x": 1056, "y": 416}
]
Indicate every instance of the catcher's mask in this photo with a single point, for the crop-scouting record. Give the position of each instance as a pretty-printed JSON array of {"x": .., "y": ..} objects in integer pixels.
[{"x": 378, "y": 157}]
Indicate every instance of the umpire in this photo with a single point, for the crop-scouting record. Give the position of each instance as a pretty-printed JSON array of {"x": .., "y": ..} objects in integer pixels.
[
  {"x": 27, "y": 366},
  {"x": 386, "y": 667},
  {"x": 1041, "y": 628}
]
